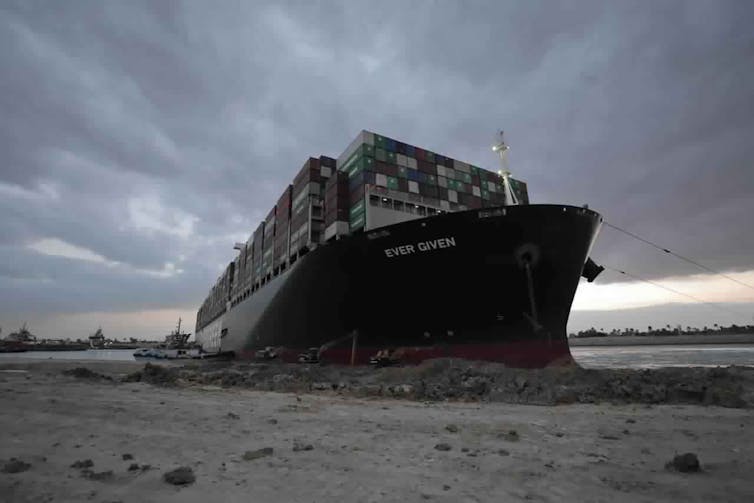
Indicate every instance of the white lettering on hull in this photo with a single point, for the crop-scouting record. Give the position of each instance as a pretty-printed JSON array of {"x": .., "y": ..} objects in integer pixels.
[{"x": 423, "y": 246}]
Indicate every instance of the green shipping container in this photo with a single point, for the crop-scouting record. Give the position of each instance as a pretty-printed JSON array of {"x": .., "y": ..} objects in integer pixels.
[
  {"x": 430, "y": 156},
  {"x": 431, "y": 180},
  {"x": 485, "y": 194},
  {"x": 361, "y": 164},
  {"x": 392, "y": 183},
  {"x": 367, "y": 150},
  {"x": 466, "y": 177},
  {"x": 357, "y": 209},
  {"x": 402, "y": 172},
  {"x": 379, "y": 141},
  {"x": 357, "y": 222},
  {"x": 380, "y": 154},
  {"x": 391, "y": 157}
]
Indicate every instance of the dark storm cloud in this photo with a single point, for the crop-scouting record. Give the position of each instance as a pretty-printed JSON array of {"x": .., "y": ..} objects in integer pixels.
[{"x": 157, "y": 134}]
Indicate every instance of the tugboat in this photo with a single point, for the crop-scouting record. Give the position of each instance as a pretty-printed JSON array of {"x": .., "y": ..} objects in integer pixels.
[
  {"x": 16, "y": 341},
  {"x": 174, "y": 347},
  {"x": 97, "y": 340}
]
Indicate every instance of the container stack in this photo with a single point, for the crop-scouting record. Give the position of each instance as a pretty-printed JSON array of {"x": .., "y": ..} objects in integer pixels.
[
  {"x": 267, "y": 245},
  {"x": 308, "y": 204},
  {"x": 337, "y": 206},
  {"x": 257, "y": 248},
  {"x": 403, "y": 180},
  {"x": 282, "y": 227}
]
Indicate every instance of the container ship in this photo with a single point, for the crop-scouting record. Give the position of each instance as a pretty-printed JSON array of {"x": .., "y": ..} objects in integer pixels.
[{"x": 395, "y": 253}]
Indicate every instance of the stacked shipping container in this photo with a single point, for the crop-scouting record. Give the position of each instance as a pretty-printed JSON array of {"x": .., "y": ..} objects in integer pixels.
[
  {"x": 337, "y": 205},
  {"x": 430, "y": 182},
  {"x": 282, "y": 226},
  {"x": 308, "y": 204},
  {"x": 376, "y": 181}
]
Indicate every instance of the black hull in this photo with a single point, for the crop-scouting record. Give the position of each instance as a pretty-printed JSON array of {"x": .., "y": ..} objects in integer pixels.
[{"x": 449, "y": 285}]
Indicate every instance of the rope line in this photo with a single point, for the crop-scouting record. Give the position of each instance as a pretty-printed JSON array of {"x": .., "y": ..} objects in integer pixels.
[
  {"x": 686, "y": 259},
  {"x": 675, "y": 291}
]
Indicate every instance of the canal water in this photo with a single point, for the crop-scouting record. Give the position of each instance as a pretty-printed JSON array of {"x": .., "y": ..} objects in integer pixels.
[{"x": 704, "y": 355}]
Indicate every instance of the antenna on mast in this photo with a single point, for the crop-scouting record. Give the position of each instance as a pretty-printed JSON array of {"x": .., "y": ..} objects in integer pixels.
[{"x": 502, "y": 149}]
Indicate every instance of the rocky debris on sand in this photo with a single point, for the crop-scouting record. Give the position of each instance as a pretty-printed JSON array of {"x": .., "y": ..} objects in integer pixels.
[
  {"x": 127, "y": 457},
  {"x": 85, "y": 373},
  {"x": 133, "y": 467},
  {"x": 503, "y": 452},
  {"x": 99, "y": 476},
  {"x": 232, "y": 415},
  {"x": 452, "y": 428},
  {"x": 154, "y": 374},
  {"x": 181, "y": 476},
  {"x": 442, "y": 446},
  {"x": 300, "y": 446},
  {"x": 259, "y": 453},
  {"x": 510, "y": 436},
  {"x": 85, "y": 463},
  {"x": 456, "y": 379},
  {"x": 15, "y": 466},
  {"x": 684, "y": 463}
]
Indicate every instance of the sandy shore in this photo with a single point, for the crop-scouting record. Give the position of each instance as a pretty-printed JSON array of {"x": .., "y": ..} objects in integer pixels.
[{"x": 361, "y": 449}]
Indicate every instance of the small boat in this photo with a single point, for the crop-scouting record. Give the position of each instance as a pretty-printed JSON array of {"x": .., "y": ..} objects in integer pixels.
[{"x": 175, "y": 347}]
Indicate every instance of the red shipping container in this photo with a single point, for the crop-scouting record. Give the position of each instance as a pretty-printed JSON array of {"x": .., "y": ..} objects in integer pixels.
[
  {"x": 420, "y": 154},
  {"x": 474, "y": 202}
]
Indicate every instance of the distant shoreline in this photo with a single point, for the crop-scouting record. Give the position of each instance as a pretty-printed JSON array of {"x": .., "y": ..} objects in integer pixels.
[{"x": 656, "y": 340}]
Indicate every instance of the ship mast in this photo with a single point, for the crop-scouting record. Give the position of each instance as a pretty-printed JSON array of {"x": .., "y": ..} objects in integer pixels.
[{"x": 502, "y": 149}]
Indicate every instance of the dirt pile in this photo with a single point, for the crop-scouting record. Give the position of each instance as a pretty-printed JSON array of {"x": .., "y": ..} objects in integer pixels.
[
  {"x": 463, "y": 380},
  {"x": 85, "y": 373},
  {"x": 450, "y": 379}
]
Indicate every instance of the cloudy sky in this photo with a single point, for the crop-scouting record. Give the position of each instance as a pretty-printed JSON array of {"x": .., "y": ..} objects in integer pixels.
[{"x": 140, "y": 140}]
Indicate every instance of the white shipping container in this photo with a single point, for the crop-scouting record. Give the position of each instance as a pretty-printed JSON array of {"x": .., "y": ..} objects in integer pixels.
[
  {"x": 442, "y": 181},
  {"x": 401, "y": 159},
  {"x": 452, "y": 196},
  {"x": 413, "y": 186},
  {"x": 476, "y": 191},
  {"x": 444, "y": 204},
  {"x": 491, "y": 187},
  {"x": 380, "y": 180},
  {"x": 441, "y": 170},
  {"x": 368, "y": 137},
  {"x": 461, "y": 166},
  {"x": 412, "y": 163},
  {"x": 451, "y": 174},
  {"x": 325, "y": 171}
]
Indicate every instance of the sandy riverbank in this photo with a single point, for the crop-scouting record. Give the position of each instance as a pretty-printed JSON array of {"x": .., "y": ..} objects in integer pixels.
[{"x": 362, "y": 448}]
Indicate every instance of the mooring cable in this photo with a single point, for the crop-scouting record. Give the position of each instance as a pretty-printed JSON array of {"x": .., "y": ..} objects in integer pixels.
[
  {"x": 675, "y": 291},
  {"x": 677, "y": 255}
]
